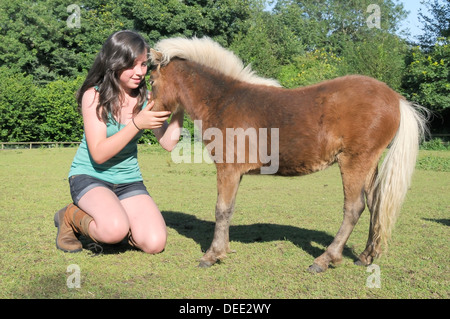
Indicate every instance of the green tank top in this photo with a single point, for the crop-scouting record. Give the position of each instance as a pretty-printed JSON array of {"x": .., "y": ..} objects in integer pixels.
[{"x": 122, "y": 168}]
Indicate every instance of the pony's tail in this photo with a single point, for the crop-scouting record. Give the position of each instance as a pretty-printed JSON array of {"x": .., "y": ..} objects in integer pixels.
[{"x": 394, "y": 177}]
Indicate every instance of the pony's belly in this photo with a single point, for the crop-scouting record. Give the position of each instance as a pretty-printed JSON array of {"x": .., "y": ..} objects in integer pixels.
[
  {"x": 302, "y": 168},
  {"x": 296, "y": 170}
]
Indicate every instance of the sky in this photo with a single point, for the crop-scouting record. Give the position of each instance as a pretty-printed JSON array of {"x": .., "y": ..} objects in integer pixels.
[{"x": 412, "y": 21}]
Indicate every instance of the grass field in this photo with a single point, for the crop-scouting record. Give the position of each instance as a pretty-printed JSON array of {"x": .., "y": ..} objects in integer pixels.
[{"x": 280, "y": 225}]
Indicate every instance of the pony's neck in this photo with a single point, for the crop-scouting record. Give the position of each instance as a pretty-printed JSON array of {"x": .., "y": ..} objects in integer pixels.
[{"x": 201, "y": 89}]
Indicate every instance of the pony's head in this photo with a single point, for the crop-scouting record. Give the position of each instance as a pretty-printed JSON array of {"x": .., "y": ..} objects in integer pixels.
[{"x": 163, "y": 101}]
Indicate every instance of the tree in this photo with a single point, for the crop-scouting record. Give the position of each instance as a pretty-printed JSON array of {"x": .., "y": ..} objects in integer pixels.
[
  {"x": 427, "y": 77},
  {"x": 341, "y": 29},
  {"x": 378, "y": 54},
  {"x": 331, "y": 24},
  {"x": 38, "y": 38},
  {"x": 55, "y": 111},
  {"x": 267, "y": 44},
  {"x": 310, "y": 68},
  {"x": 38, "y": 113},
  {"x": 438, "y": 24},
  {"x": 16, "y": 116},
  {"x": 427, "y": 80},
  {"x": 221, "y": 20}
]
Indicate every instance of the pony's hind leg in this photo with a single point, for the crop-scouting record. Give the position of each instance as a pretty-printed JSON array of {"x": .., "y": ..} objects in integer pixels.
[
  {"x": 228, "y": 180},
  {"x": 373, "y": 246},
  {"x": 353, "y": 173}
]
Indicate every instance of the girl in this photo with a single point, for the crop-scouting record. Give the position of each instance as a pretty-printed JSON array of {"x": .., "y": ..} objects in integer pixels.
[{"x": 110, "y": 200}]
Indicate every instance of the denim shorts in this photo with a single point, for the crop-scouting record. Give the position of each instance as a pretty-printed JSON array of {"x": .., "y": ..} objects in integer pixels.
[{"x": 81, "y": 184}]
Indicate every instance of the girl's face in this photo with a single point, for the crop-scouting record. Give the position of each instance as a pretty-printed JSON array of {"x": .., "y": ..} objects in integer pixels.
[{"x": 131, "y": 78}]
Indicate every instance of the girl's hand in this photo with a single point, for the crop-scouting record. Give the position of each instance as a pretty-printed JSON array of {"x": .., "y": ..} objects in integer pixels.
[{"x": 148, "y": 119}]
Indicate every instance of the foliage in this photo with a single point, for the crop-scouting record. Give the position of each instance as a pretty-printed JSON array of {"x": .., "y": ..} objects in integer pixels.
[
  {"x": 17, "y": 121},
  {"x": 332, "y": 24},
  {"x": 267, "y": 43},
  {"x": 427, "y": 77},
  {"x": 310, "y": 68},
  {"x": 435, "y": 144},
  {"x": 341, "y": 29},
  {"x": 62, "y": 121},
  {"x": 433, "y": 159},
  {"x": 218, "y": 19},
  {"x": 377, "y": 54},
  {"x": 38, "y": 113},
  {"x": 436, "y": 26},
  {"x": 36, "y": 38}
]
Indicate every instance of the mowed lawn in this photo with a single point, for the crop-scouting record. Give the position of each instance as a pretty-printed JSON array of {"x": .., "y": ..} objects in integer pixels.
[{"x": 279, "y": 226}]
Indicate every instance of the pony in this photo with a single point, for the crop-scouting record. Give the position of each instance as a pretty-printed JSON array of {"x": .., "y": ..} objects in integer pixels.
[{"x": 349, "y": 120}]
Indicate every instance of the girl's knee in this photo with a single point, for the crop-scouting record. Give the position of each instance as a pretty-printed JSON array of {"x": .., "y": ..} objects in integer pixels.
[
  {"x": 153, "y": 250},
  {"x": 152, "y": 244},
  {"x": 114, "y": 232}
]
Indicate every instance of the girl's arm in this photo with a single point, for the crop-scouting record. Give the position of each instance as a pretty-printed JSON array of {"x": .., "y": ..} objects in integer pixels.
[
  {"x": 168, "y": 135},
  {"x": 103, "y": 148}
]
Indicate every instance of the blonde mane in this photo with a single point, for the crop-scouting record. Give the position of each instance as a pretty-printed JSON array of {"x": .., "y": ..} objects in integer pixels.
[{"x": 209, "y": 53}]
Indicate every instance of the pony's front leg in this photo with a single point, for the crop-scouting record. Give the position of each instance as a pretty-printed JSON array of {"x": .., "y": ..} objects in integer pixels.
[{"x": 228, "y": 180}]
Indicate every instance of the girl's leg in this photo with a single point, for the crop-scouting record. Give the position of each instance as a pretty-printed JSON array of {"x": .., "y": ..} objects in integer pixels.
[
  {"x": 110, "y": 224},
  {"x": 147, "y": 225}
]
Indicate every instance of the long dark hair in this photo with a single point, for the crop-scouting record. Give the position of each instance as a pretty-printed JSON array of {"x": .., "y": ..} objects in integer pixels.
[{"x": 118, "y": 53}]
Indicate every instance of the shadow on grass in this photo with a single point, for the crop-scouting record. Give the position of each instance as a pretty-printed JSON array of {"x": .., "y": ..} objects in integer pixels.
[
  {"x": 105, "y": 249},
  {"x": 443, "y": 221},
  {"x": 202, "y": 233}
]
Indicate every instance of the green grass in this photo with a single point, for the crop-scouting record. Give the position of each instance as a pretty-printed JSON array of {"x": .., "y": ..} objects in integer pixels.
[{"x": 280, "y": 225}]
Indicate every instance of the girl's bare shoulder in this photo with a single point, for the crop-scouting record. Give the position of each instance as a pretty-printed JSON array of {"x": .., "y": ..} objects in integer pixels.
[{"x": 90, "y": 97}]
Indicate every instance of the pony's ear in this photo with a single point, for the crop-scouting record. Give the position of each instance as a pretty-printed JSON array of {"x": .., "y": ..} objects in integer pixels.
[{"x": 155, "y": 56}]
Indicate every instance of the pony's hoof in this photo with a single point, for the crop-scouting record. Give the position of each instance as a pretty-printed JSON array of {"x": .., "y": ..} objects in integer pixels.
[
  {"x": 361, "y": 263},
  {"x": 315, "y": 269},
  {"x": 205, "y": 264}
]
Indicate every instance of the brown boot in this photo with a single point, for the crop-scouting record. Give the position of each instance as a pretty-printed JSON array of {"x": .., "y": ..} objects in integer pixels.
[
  {"x": 66, "y": 240},
  {"x": 71, "y": 221},
  {"x": 79, "y": 221}
]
